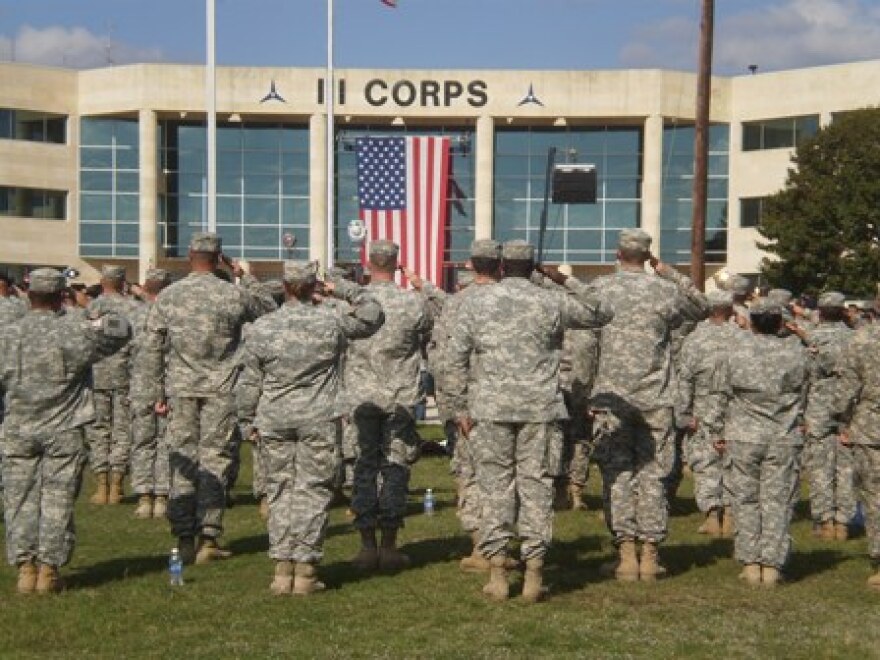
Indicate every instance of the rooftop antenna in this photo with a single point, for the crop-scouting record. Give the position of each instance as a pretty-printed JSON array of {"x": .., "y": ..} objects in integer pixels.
[
  {"x": 108, "y": 44},
  {"x": 753, "y": 68}
]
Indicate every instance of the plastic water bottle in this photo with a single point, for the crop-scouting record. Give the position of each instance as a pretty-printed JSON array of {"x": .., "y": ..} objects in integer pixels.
[
  {"x": 429, "y": 502},
  {"x": 175, "y": 568}
]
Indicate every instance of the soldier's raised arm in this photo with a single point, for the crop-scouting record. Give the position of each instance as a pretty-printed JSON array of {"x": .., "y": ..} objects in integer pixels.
[
  {"x": 582, "y": 307},
  {"x": 365, "y": 316},
  {"x": 690, "y": 303}
]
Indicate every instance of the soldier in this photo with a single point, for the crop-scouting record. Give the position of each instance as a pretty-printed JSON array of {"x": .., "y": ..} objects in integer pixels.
[
  {"x": 149, "y": 456},
  {"x": 109, "y": 436},
  {"x": 700, "y": 362},
  {"x": 758, "y": 420},
  {"x": 828, "y": 463},
  {"x": 12, "y": 307},
  {"x": 633, "y": 399},
  {"x": 197, "y": 322},
  {"x": 740, "y": 287},
  {"x": 289, "y": 395},
  {"x": 857, "y": 404},
  {"x": 504, "y": 386},
  {"x": 382, "y": 375},
  {"x": 44, "y": 371}
]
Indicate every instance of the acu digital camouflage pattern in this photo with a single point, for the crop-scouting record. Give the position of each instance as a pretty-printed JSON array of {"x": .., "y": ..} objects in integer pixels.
[
  {"x": 764, "y": 390},
  {"x": 503, "y": 358},
  {"x": 45, "y": 361}
]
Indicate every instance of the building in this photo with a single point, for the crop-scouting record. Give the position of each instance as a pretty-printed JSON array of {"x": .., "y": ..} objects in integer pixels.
[{"x": 109, "y": 165}]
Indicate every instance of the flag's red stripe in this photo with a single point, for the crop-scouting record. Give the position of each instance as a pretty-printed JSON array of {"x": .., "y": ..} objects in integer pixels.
[
  {"x": 431, "y": 220},
  {"x": 443, "y": 210},
  {"x": 415, "y": 215}
]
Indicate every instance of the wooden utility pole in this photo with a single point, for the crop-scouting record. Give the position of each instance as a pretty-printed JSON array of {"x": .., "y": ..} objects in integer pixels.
[{"x": 701, "y": 146}]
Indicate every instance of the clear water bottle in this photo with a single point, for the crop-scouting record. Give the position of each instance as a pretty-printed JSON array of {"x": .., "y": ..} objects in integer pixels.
[
  {"x": 175, "y": 568},
  {"x": 429, "y": 502}
]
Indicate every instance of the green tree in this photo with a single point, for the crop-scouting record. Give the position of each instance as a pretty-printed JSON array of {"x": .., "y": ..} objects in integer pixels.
[{"x": 823, "y": 228}]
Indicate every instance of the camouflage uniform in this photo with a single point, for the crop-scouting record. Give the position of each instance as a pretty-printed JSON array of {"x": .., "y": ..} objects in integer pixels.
[
  {"x": 761, "y": 407},
  {"x": 199, "y": 319},
  {"x": 382, "y": 387},
  {"x": 577, "y": 370},
  {"x": 11, "y": 309},
  {"x": 857, "y": 403},
  {"x": 503, "y": 358},
  {"x": 44, "y": 370},
  {"x": 634, "y": 395},
  {"x": 289, "y": 391}
]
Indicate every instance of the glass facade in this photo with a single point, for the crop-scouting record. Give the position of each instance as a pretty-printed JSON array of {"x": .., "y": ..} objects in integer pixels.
[
  {"x": 33, "y": 203},
  {"x": 460, "y": 217},
  {"x": 32, "y": 126},
  {"x": 109, "y": 187},
  {"x": 262, "y": 187},
  {"x": 783, "y": 133},
  {"x": 576, "y": 233},
  {"x": 751, "y": 211},
  {"x": 678, "y": 181}
]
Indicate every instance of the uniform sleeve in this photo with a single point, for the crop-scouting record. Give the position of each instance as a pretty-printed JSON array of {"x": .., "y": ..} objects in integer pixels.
[
  {"x": 459, "y": 348},
  {"x": 583, "y": 308},
  {"x": 690, "y": 303},
  {"x": 257, "y": 299},
  {"x": 250, "y": 383},
  {"x": 149, "y": 365},
  {"x": 686, "y": 375},
  {"x": 435, "y": 299},
  {"x": 718, "y": 398},
  {"x": 365, "y": 316},
  {"x": 851, "y": 380}
]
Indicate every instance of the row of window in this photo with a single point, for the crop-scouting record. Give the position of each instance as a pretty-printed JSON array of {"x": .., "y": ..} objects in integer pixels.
[
  {"x": 33, "y": 203},
  {"x": 32, "y": 126}
]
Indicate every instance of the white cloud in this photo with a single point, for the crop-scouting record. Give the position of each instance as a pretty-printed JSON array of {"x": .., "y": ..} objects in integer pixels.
[
  {"x": 782, "y": 34},
  {"x": 74, "y": 47}
]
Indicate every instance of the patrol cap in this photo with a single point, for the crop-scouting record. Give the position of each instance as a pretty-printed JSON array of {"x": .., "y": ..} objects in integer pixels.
[
  {"x": 739, "y": 285},
  {"x": 298, "y": 273},
  {"x": 719, "y": 299},
  {"x": 274, "y": 288},
  {"x": 518, "y": 250},
  {"x": 832, "y": 299},
  {"x": 336, "y": 273},
  {"x": 765, "y": 307},
  {"x": 464, "y": 278},
  {"x": 111, "y": 272},
  {"x": 634, "y": 239},
  {"x": 203, "y": 241},
  {"x": 157, "y": 275},
  {"x": 486, "y": 248},
  {"x": 383, "y": 248},
  {"x": 782, "y": 296},
  {"x": 47, "y": 280}
]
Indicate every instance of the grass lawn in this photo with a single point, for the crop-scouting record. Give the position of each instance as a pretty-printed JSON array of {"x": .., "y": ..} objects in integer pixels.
[{"x": 119, "y": 603}]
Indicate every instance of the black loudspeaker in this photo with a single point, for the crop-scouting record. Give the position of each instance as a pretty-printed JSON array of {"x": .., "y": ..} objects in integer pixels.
[{"x": 574, "y": 184}]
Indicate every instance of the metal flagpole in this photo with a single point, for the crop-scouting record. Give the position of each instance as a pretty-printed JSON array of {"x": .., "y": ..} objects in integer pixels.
[
  {"x": 330, "y": 96},
  {"x": 211, "y": 106}
]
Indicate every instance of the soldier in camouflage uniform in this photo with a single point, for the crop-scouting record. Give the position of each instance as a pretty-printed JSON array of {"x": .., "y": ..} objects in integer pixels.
[
  {"x": 149, "y": 456},
  {"x": 195, "y": 324},
  {"x": 741, "y": 289},
  {"x": 633, "y": 399},
  {"x": 759, "y": 420},
  {"x": 857, "y": 405},
  {"x": 44, "y": 371},
  {"x": 12, "y": 308},
  {"x": 699, "y": 366},
  {"x": 382, "y": 387},
  {"x": 503, "y": 381},
  {"x": 827, "y": 462},
  {"x": 109, "y": 437},
  {"x": 290, "y": 396}
]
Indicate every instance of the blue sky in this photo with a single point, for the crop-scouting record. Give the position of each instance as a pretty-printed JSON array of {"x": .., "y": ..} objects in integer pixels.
[{"x": 516, "y": 34}]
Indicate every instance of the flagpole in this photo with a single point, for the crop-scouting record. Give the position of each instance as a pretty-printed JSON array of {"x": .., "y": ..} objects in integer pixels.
[
  {"x": 330, "y": 96},
  {"x": 211, "y": 106}
]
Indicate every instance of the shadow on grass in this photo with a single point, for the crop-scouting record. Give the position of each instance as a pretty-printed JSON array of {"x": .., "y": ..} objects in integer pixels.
[{"x": 802, "y": 565}]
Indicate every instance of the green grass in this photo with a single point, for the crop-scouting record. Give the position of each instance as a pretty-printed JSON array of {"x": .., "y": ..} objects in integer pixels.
[{"x": 119, "y": 604}]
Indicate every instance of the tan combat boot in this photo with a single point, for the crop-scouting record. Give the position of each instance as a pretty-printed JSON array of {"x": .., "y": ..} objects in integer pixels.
[
  {"x": 874, "y": 580},
  {"x": 727, "y": 527},
  {"x": 841, "y": 532},
  {"x": 770, "y": 576},
  {"x": 826, "y": 530},
  {"x": 209, "y": 551},
  {"x": 160, "y": 506},
  {"x": 305, "y": 581},
  {"x": 533, "y": 589},
  {"x": 497, "y": 588},
  {"x": 576, "y": 494},
  {"x": 367, "y": 558},
  {"x": 627, "y": 568},
  {"x": 264, "y": 508},
  {"x": 144, "y": 508},
  {"x": 282, "y": 583},
  {"x": 115, "y": 495},
  {"x": 102, "y": 485},
  {"x": 751, "y": 573},
  {"x": 186, "y": 546},
  {"x": 650, "y": 567},
  {"x": 475, "y": 562},
  {"x": 390, "y": 558},
  {"x": 27, "y": 577},
  {"x": 48, "y": 581},
  {"x": 711, "y": 525}
]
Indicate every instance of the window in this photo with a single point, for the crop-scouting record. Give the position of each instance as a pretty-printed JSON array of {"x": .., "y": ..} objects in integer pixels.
[
  {"x": 576, "y": 233},
  {"x": 33, "y": 203},
  {"x": 32, "y": 126},
  {"x": 778, "y": 133},
  {"x": 751, "y": 211}
]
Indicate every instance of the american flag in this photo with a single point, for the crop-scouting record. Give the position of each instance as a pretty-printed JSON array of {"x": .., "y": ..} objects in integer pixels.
[{"x": 403, "y": 187}]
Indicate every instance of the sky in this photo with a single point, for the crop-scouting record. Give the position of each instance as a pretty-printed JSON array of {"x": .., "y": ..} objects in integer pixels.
[{"x": 436, "y": 34}]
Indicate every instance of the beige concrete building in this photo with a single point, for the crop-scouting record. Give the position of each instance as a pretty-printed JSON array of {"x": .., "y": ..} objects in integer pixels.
[{"x": 109, "y": 164}]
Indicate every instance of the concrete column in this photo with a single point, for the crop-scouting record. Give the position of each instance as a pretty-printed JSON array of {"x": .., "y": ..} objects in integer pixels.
[
  {"x": 148, "y": 251},
  {"x": 652, "y": 179},
  {"x": 318, "y": 188},
  {"x": 485, "y": 200},
  {"x": 826, "y": 119}
]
